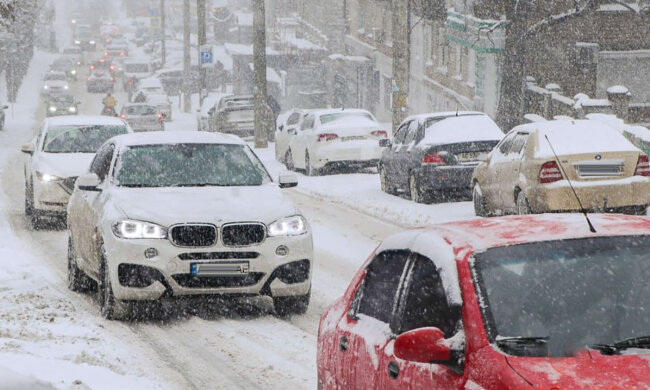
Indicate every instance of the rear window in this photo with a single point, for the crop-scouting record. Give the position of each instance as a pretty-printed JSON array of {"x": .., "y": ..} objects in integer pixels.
[
  {"x": 345, "y": 115},
  {"x": 140, "y": 110},
  {"x": 79, "y": 138},
  {"x": 136, "y": 68},
  {"x": 55, "y": 76}
]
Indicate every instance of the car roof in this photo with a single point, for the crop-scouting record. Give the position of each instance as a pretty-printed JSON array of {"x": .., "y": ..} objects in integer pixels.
[
  {"x": 326, "y": 111},
  {"x": 484, "y": 233},
  {"x": 176, "y": 137},
  {"x": 84, "y": 120},
  {"x": 445, "y": 114}
]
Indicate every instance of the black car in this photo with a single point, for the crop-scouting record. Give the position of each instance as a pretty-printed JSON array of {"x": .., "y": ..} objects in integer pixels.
[
  {"x": 62, "y": 105},
  {"x": 433, "y": 155}
]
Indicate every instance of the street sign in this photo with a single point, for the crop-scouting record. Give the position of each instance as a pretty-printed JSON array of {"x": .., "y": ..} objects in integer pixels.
[{"x": 207, "y": 57}]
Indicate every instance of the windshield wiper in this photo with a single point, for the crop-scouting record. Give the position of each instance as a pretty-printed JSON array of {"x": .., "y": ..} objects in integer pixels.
[
  {"x": 618, "y": 346},
  {"x": 201, "y": 185},
  {"x": 524, "y": 346}
]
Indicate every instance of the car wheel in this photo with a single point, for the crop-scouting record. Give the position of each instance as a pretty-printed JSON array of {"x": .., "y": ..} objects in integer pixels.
[
  {"x": 110, "y": 307},
  {"x": 78, "y": 281},
  {"x": 285, "y": 306},
  {"x": 385, "y": 182},
  {"x": 415, "y": 192},
  {"x": 480, "y": 205},
  {"x": 522, "y": 204},
  {"x": 29, "y": 199},
  {"x": 309, "y": 169},
  {"x": 288, "y": 161}
]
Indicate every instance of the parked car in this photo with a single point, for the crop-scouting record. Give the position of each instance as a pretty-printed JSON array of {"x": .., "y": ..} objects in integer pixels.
[
  {"x": 76, "y": 54},
  {"x": 100, "y": 81},
  {"x": 335, "y": 137},
  {"x": 506, "y": 303},
  {"x": 286, "y": 126},
  {"x": 142, "y": 117},
  {"x": 54, "y": 83},
  {"x": 433, "y": 155},
  {"x": 162, "y": 103},
  {"x": 234, "y": 115},
  {"x": 537, "y": 166},
  {"x": 207, "y": 110},
  {"x": 64, "y": 104},
  {"x": 66, "y": 65},
  {"x": 60, "y": 152},
  {"x": 173, "y": 192}
]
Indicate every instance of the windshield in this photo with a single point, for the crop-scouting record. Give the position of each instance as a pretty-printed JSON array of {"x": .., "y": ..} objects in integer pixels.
[
  {"x": 344, "y": 115},
  {"x": 189, "y": 165},
  {"x": 79, "y": 138},
  {"x": 55, "y": 76},
  {"x": 136, "y": 68},
  {"x": 140, "y": 110},
  {"x": 573, "y": 292},
  {"x": 62, "y": 99}
]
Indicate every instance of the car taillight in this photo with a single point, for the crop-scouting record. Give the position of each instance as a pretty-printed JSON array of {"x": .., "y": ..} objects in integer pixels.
[
  {"x": 105, "y": 54},
  {"x": 112, "y": 79},
  {"x": 112, "y": 67},
  {"x": 550, "y": 172},
  {"x": 123, "y": 116},
  {"x": 326, "y": 137},
  {"x": 88, "y": 78},
  {"x": 92, "y": 67},
  {"x": 380, "y": 133},
  {"x": 433, "y": 159},
  {"x": 121, "y": 54},
  {"x": 642, "y": 166}
]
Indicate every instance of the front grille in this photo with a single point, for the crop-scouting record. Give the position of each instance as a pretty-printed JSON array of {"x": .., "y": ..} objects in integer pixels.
[
  {"x": 193, "y": 235},
  {"x": 243, "y": 234},
  {"x": 190, "y": 281},
  {"x": 68, "y": 184},
  {"x": 218, "y": 255}
]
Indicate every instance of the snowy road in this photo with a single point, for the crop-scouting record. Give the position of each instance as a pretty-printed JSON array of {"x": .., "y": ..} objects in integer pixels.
[{"x": 238, "y": 345}]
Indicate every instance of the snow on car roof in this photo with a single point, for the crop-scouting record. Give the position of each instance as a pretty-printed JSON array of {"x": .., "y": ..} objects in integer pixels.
[
  {"x": 80, "y": 120},
  {"x": 484, "y": 233},
  {"x": 576, "y": 137},
  {"x": 326, "y": 111},
  {"x": 423, "y": 117},
  {"x": 177, "y": 137},
  {"x": 462, "y": 128}
]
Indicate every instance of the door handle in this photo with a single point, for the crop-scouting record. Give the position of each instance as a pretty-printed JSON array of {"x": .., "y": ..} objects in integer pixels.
[
  {"x": 393, "y": 370},
  {"x": 343, "y": 343}
]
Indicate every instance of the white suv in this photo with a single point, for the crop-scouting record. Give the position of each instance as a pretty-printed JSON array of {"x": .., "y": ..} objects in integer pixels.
[{"x": 169, "y": 214}]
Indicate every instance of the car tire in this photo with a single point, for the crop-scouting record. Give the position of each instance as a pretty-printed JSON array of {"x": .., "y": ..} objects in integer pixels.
[
  {"x": 29, "y": 199},
  {"x": 288, "y": 161},
  {"x": 522, "y": 204},
  {"x": 480, "y": 205},
  {"x": 110, "y": 307},
  {"x": 309, "y": 169},
  {"x": 386, "y": 186},
  {"x": 415, "y": 192},
  {"x": 286, "y": 306},
  {"x": 78, "y": 281}
]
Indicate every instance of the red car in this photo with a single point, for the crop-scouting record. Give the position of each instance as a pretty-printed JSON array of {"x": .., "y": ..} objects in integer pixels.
[{"x": 527, "y": 302}]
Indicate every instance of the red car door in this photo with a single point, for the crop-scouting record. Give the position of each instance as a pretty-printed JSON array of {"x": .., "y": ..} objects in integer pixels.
[
  {"x": 365, "y": 331},
  {"x": 423, "y": 303}
]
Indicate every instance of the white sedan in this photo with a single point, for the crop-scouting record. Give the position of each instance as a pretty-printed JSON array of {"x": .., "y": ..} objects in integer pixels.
[
  {"x": 61, "y": 152},
  {"x": 172, "y": 214},
  {"x": 286, "y": 126},
  {"x": 54, "y": 83},
  {"x": 335, "y": 137}
]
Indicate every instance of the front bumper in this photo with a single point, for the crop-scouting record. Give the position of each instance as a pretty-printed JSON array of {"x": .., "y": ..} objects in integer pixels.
[
  {"x": 594, "y": 195},
  {"x": 361, "y": 151},
  {"x": 169, "y": 273}
]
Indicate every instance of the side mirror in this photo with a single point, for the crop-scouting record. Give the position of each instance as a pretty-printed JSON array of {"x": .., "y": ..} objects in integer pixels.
[
  {"x": 385, "y": 143},
  {"x": 287, "y": 180},
  {"x": 281, "y": 127},
  {"x": 27, "y": 148},
  {"x": 5, "y": 107},
  {"x": 88, "y": 182},
  {"x": 423, "y": 345}
]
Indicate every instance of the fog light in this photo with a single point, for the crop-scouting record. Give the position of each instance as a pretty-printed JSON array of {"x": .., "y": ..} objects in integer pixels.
[
  {"x": 150, "y": 253},
  {"x": 282, "y": 251}
]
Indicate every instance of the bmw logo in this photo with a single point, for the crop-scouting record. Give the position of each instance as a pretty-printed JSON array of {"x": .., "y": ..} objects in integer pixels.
[{"x": 598, "y": 157}]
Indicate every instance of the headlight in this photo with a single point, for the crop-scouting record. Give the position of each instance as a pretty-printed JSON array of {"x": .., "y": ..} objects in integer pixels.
[
  {"x": 52, "y": 109},
  {"x": 77, "y": 42},
  {"x": 47, "y": 177},
  {"x": 45, "y": 87},
  {"x": 65, "y": 87},
  {"x": 92, "y": 42},
  {"x": 73, "y": 71},
  {"x": 72, "y": 109},
  {"x": 137, "y": 229},
  {"x": 290, "y": 226}
]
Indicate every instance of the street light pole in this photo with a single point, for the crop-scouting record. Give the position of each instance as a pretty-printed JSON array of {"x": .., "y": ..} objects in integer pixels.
[
  {"x": 187, "y": 94},
  {"x": 259, "y": 74},
  {"x": 163, "y": 49},
  {"x": 201, "y": 13}
]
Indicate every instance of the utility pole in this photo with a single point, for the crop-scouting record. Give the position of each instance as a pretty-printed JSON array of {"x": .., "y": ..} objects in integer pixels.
[
  {"x": 187, "y": 63},
  {"x": 163, "y": 49},
  {"x": 201, "y": 14},
  {"x": 259, "y": 65},
  {"x": 401, "y": 60}
]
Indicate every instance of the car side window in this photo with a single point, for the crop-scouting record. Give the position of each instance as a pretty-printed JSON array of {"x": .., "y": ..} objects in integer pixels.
[
  {"x": 308, "y": 123},
  {"x": 412, "y": 132},
  {"x": 293, "y": 119},
  {"x": 424, "y": 302},
  {"x": 504, "y": 146},
  {"x": 518, "y": 143},
  {"x": 102, "y": 162},
  {"x": 400, "y": 134},
  {"x": 378, "y": 290}
]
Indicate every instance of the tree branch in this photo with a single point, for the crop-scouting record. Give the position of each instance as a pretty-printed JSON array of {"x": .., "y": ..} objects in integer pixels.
[{"x": 556, "y": 19}]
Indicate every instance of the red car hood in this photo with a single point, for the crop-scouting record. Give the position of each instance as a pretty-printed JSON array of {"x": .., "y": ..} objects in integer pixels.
[{"x": 586, "y": 370}]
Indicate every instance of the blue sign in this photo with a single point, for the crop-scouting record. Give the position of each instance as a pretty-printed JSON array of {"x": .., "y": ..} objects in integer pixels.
[{"x": 206, "y": 55}]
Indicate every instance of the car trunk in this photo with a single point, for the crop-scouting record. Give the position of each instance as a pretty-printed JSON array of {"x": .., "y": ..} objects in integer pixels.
[
  {"x": 463, "y": 153},
  {"x": 599, "y": 166},
  {"x": 237, "y": 115}
]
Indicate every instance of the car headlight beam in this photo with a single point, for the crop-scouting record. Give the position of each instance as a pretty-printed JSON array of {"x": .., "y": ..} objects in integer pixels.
[
  {"x": 130, "y": 229},
  {"x": 47, "y": 177},
  {"x": 290, "y": 226},
  {"x": 72, "y": 109},
  {"x": 52, "y": 109}
]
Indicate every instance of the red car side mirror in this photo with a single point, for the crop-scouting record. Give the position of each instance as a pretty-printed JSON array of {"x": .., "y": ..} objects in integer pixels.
[{"x": 423, "y": 345}]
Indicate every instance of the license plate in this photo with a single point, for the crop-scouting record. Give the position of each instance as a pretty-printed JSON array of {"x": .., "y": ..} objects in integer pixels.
[
  {"x": 219, "y": 269},
  {"x": 353, "y": 138}
]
